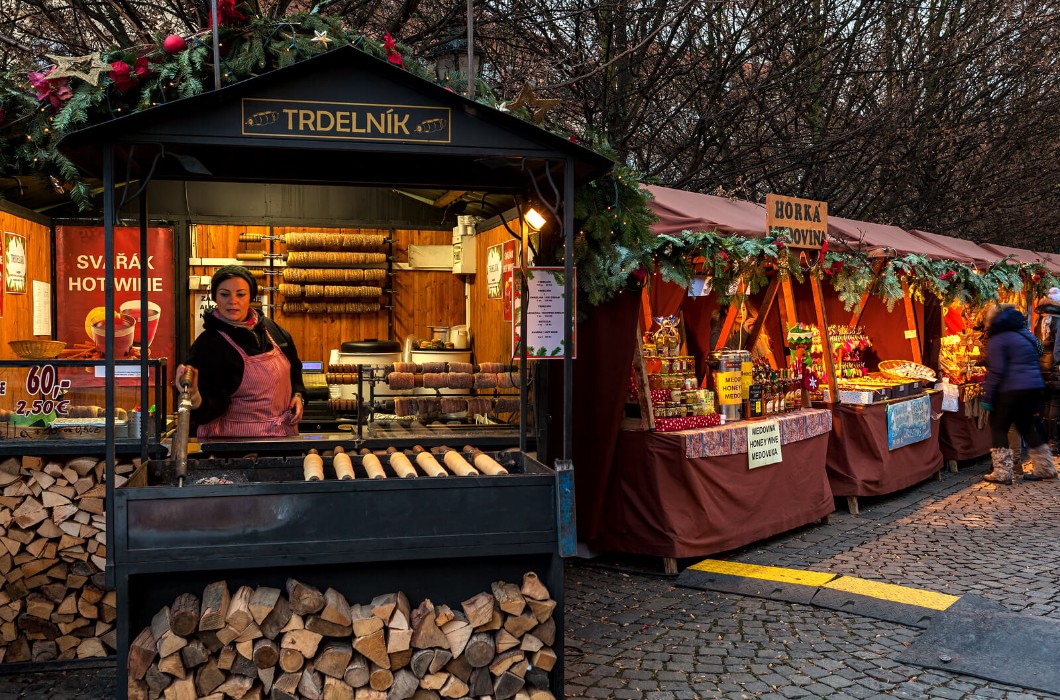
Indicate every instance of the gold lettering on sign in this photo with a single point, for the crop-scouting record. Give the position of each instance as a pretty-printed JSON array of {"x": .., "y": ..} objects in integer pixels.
[{"x": 345, "y": 120}]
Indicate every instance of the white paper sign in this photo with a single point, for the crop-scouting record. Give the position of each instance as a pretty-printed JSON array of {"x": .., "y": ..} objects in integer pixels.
[
  {"x": 546, "y": 318},
  {"x": 201, "y": 302},
  {"x": 42, "y": 308},
  {"x": 763, "y": 444}
]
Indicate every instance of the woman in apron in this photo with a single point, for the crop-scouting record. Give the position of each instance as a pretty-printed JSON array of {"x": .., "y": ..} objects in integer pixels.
[{"x": 246, "y": 378}]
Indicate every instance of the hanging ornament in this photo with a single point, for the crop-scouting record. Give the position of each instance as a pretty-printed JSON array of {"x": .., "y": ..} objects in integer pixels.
[
  {"x": 174, "y": 43},
  {"x": 321, "y": 38},
  {"x": 537, "y": 106},
  {"x": 88, "y": 68},
  {"x": 392, "y": 54},
  {"x": 948, "y": 275}
]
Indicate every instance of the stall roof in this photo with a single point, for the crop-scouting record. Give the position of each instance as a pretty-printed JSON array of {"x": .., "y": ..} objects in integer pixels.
[
  {"x": 879, "y": 239},
  {"x": 679, "y": 211},
  {"x": 960, "y": 248},
  {"x": 1052, "y": 262},
  {"x": 342, "y": 117},
  {"x": 1020, "y": 255}
]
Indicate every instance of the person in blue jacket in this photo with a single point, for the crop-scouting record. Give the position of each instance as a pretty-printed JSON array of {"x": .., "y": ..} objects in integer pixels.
[
  {"x": 1048, "y": 328},
  {"x": 1012, "y": 394}
]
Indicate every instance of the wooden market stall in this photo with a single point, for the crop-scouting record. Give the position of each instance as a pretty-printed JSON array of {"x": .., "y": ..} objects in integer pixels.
[
  {"x": 965, "y": 433},
  {"x": 865, "y": 458},
  {"x": 689, "y": 492},
  {"x": 452, "y": 541}
]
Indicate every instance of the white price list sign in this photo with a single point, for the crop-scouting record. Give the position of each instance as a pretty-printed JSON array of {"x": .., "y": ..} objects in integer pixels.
[
  {"x": 546, "y": 317},
  {"x": 763, "y": 444}
]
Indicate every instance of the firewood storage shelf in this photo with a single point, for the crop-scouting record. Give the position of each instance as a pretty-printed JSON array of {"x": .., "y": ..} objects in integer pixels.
[{"x": 441, "y": 538}]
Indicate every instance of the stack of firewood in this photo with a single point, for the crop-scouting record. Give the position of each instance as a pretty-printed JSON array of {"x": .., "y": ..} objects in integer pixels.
[
  {"x": 258, "y": 643},
  {"x": 54, "y": 604}
]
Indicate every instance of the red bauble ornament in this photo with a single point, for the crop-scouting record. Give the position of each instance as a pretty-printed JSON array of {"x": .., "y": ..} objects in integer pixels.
[{"x": 174, "y": 43}]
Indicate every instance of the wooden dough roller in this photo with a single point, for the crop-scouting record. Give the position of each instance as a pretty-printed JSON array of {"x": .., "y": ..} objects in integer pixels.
[
  {"x": 455, "y": 461},
  {"x": 400, "y": 463},
  {"x": 427, "y": 462},
  {"x": 372, "y": 465},
  {"x": 343, "y": 465},
  {"x": 484, "y": 463},
  {"x": 313, "y": 467}
]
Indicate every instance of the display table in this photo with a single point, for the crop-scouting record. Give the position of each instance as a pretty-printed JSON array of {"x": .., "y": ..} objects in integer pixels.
[
  {"x": 963, "y": 437},
  {"x": 690, "y": 493},
  {"x": 859, "y": 460}
]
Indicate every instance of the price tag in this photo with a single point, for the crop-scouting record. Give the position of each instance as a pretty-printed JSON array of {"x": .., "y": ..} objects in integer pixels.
[
  {"x": 43, "y": 381},
  {"x": 910, "y": 335}
]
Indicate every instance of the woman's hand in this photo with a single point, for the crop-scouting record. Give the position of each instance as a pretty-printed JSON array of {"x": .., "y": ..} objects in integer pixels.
[
  {"x": 296, "y": 406},
  {"x": 192, "y": 384}
]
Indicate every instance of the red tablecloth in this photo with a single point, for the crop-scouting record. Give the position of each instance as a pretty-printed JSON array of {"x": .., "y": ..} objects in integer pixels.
[
  {"x": 962, "y": 438},
  {"x": 859, "y": 463},
  {"x": 662, "y": 502}
]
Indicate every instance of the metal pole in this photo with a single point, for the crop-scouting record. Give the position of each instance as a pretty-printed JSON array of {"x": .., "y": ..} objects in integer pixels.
[
  {"x": 108, "y": 303},
  {"x": 568, "y": 301},
  {"x": 216, "y": 46},
  {"x": 470, "y": 49},
  {"x": 144, "y": 335}
]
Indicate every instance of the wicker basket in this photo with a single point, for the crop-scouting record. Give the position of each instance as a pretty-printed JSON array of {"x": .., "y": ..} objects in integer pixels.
[
  {"x": 37, "y": 349},
  {"x": 903, "y": 369}
]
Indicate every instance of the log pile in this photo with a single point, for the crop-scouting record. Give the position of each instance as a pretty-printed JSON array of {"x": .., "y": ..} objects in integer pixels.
[
  {"x": 262, "y": 643},
  {"x": 54, "y": 604}
]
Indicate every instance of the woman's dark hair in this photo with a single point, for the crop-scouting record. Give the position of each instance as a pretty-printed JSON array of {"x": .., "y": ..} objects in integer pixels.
[{"x": 228, "y": 272}]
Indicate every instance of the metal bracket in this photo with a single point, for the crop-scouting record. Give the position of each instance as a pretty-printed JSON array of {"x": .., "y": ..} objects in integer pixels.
[{"x": 565, "y": 511}]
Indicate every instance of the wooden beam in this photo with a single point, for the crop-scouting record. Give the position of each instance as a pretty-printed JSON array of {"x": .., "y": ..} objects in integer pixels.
[
  {"x": 763, "y": 313},
  {"x": 856, "y": 316},
  {"x": 788, "y": 318},
  {"x": 730, "y": 321},
  {"x": 910, "y": 323},
  {"x": 826, "y": 341},
  {"x": 449, "y": 197},
  {"x": 640, "y": 372}
]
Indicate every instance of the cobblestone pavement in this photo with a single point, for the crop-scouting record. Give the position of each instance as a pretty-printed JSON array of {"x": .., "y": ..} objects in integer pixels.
[{"x": 633, "y": 635}]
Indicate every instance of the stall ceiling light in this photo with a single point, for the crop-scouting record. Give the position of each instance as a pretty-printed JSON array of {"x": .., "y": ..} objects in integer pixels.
[{"x": 533, "y": 219}]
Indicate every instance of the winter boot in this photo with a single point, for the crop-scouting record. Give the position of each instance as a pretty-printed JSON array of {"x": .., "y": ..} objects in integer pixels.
[
  {"x": 1052, "y": 434},
  {"x": 1001, "y": 457},
  {"x": 1042, "y": 466}
]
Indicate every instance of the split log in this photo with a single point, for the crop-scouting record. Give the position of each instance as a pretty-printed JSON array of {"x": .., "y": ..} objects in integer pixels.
[
  {"x": 334, "y": 658},
  {"x": 533, "y": 588},
  {"x": 507, "y": 685},
  {"x": 544, "y": 659},
  {"x": 380, "y": 678},
  {"x": 337, "y": 689},
  {"x": 425, "y": 632},
  {"x": 215, "y": 600},
  {"x": 480, "y": 650},
  {"x": 304, "y": 599},
  {"x": 479, "y": 609},
  {"x": 357, "y": 672},
  {"x": 184, "y": 615},
  {"x": 508, "y": 597},
  {"x": 373, "y": 646},
  {"x": 404, "y": 685},
  {"x": 266, "y": 653},
  {"x": 262, "y": 603}
]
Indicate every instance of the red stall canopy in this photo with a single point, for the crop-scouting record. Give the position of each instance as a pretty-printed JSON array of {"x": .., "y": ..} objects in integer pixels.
[
  {"x": 680, "y": 211},
  {"x": 1020, "y": 255},
  {"x": 1052, "y": 262},
  {"x": 881, "y": 239},
  {"x": 959, "y": 248}
]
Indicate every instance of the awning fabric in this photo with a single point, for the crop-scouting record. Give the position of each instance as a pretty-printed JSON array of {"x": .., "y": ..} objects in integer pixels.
[
  {"x": 881, "y": 240},
  {"x": 960, "y": 248},
  {"x": 1020, "y": 255},
  {"x": 679, "y": 211}
]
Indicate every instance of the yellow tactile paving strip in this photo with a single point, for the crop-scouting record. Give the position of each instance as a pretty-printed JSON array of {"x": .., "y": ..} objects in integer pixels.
[
  {"x": 892, "y": 593},
  {"x": 769, "y": 573},
  {"x": 846, "y": 584}
]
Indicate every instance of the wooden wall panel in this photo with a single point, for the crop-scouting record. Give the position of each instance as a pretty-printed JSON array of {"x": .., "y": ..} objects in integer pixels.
[
  {"x": 17, "y": 321},
  {"x": 492, "y": 333},
  {"x": 422, "y": 298}
]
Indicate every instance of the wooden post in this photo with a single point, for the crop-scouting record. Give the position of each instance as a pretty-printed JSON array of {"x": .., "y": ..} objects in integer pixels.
[
  {"x": 855, "y": 318},
  {"x": 826, "y": 341},
  {"x": 788, "y": 317},
  {"x": 730, "y": 320},
  {"x": 763, "y": 312},
  {"x": 640, "y": 374},
  {"x": 910, "y": 324}
]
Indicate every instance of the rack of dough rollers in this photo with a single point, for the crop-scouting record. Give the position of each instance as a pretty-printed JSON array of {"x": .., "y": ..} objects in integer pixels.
[
  {"x": 436, "y": 462},
  {"x": 483, "y": 384},
  {"x": 329, "y": 273}
]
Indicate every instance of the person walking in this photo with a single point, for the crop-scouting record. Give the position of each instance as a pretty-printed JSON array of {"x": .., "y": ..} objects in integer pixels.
[
  {"x": 1012, "y": 394},
  {"x": 1048, "y": 311}
]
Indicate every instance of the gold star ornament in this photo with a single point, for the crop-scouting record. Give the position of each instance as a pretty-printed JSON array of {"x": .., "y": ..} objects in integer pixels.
[
  {"x": 321, "y": 38},
  {"x": 536, "y": 105},
  {"x": 88, "y": 68}
]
